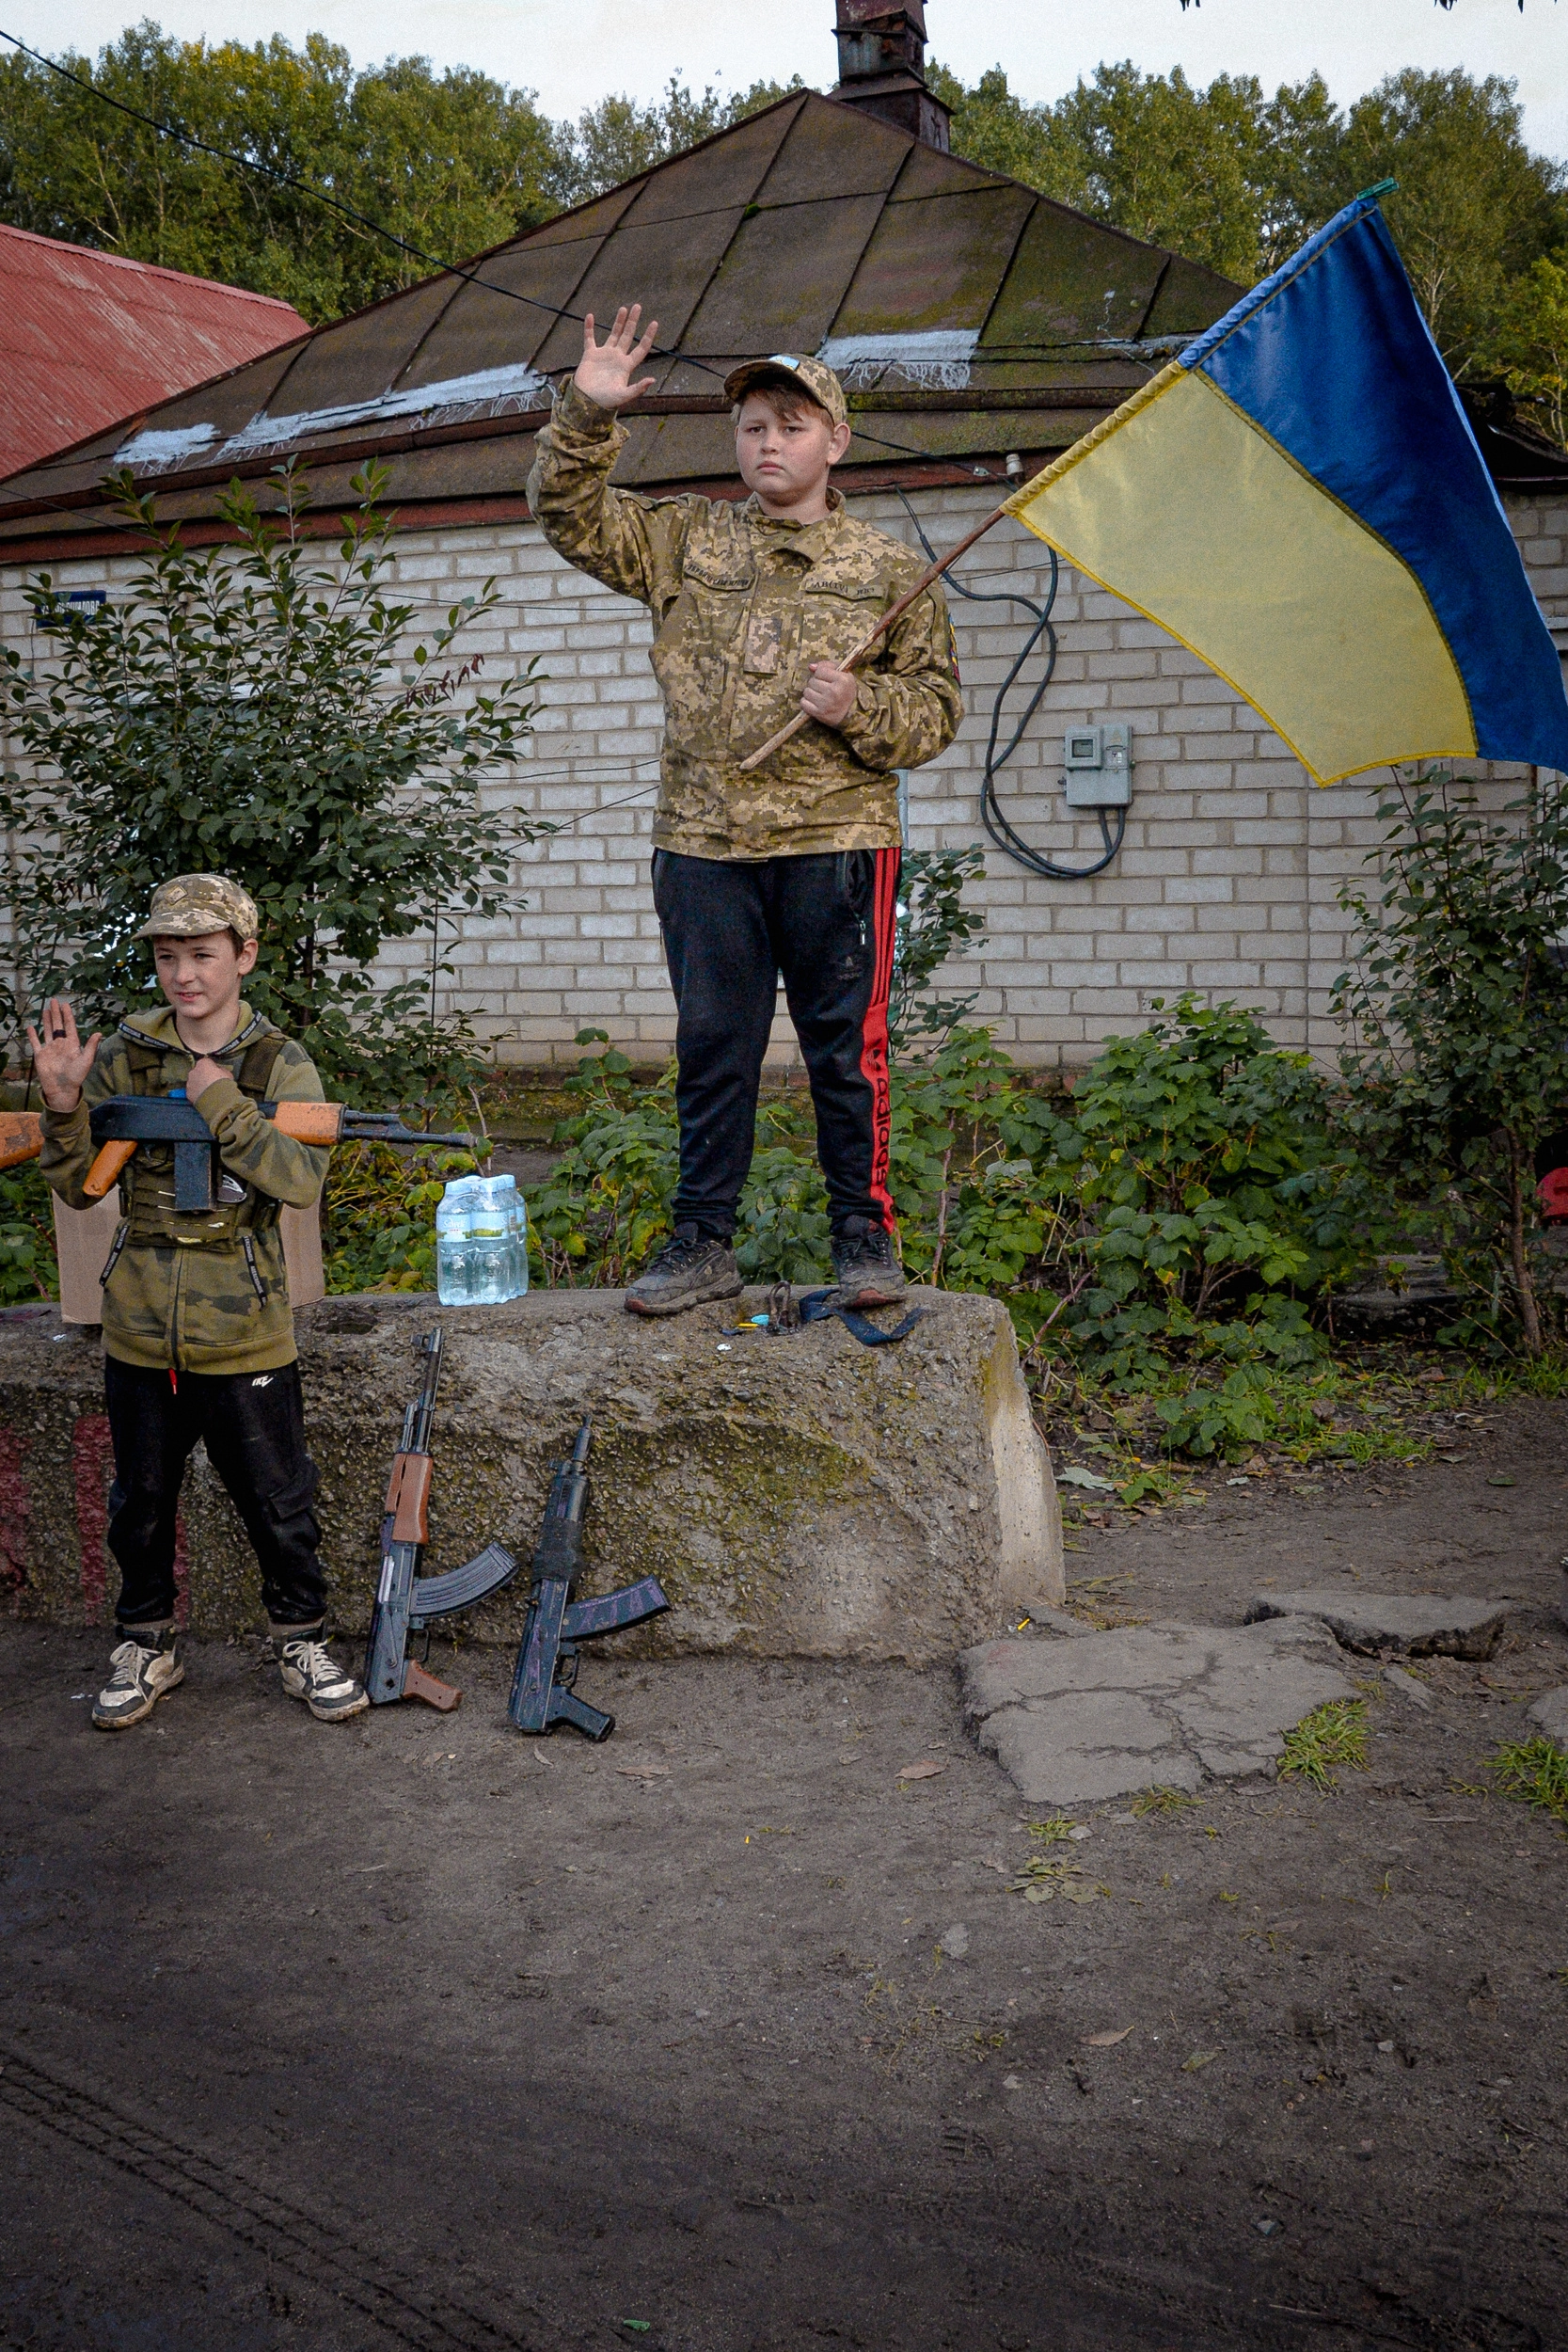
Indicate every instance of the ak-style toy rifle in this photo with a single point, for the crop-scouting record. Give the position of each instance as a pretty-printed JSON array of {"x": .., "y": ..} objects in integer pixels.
[
  {"x": 124, "y": 1121},
  {"x": 542, "y": 1692},
  {"x": 404, "y": 1600}
]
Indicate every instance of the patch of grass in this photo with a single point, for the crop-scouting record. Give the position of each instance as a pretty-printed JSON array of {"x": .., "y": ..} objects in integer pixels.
[
  {"x": 1163, "y": 1801},
  {"x": 1335, "y": 1733},
  {"x": 1056, "y": 1831},
  {"x": 1535, "y": 1771}
]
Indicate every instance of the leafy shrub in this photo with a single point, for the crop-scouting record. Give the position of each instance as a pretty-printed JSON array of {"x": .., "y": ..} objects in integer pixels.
[
  {"x": 1456, "y": 1008},
  {"x": 27, "y": 1265}
]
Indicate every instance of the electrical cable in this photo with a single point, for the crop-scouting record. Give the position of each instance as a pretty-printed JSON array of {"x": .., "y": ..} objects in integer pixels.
[{"x": 992, "y": 814}]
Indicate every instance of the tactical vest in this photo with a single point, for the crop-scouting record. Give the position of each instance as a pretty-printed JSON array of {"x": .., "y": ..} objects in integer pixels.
[{"x": 146, "y": 1187}]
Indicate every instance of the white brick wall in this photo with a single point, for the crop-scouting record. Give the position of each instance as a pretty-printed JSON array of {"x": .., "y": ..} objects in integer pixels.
[{"x": 1226, "y": 882}]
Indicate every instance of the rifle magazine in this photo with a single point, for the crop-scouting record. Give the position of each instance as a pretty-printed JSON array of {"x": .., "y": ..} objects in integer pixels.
[
  {"x": 464, "y": 1587},
  {"x": 611, "y": 1612}
]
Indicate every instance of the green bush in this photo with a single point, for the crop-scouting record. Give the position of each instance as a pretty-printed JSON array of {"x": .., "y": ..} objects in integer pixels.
[{"x": 27, "y": 1265}]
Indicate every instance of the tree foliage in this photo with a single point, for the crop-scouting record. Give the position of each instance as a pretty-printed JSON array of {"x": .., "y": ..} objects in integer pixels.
[
  {"x": 1234, "y": 177},
  {"x": 254, "y": 710},
  {"x": 453, "y": 162},
  {"x": 1457, "y": 1005}
]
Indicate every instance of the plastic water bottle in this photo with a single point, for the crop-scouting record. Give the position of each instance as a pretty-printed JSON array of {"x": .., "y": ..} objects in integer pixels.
[
  {"x": 453, "y": 1243},
  {"x": 504, "y": 1191},
  {"x": 490, "y": 1246}
]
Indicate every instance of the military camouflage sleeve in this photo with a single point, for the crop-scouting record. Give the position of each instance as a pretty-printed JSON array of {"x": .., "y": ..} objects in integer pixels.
[
  {"x": 252, "y": 1147},
  {"x": 910, "y": 704},
  {"x": 633, "y": 545},
  {"x": 69, "y": 1150}
]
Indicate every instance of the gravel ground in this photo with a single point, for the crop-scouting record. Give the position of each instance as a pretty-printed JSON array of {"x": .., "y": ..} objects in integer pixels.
[{"x": 719, "y": 2036}]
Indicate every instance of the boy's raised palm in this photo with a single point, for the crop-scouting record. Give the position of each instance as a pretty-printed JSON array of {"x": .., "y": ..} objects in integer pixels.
[
  {"x": 60, "y": 1060},
  {"x": 605, "y": 370}
]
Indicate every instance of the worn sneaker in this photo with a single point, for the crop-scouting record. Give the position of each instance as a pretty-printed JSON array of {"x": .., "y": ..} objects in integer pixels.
[
  {"x": 313, "y": 1674},
  {"x": 687, "y": 1271},
  {"x": 865, "y": 1269},
  {"x": 141, "y": 1670}
]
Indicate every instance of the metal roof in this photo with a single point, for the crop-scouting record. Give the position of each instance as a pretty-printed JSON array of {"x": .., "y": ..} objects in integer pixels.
[
  {"x": 87, "y": 338},
  {"x": 971, "y": 317}
]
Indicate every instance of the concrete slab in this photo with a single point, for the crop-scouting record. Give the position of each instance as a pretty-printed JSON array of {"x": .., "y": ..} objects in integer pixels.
[
  {"x": 1550, "y": 1715},
  {"x": 799, "y": 1496},
  {"x": 1161, "y": 1705},
  {"x": 1419, "y": 1625}
]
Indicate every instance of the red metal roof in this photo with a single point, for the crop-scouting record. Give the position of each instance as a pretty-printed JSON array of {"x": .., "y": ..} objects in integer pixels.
[{"x": 88, "y": 338}]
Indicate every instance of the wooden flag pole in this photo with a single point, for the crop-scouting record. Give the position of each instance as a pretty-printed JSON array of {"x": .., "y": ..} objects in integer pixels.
[{"x": 894, "y": 613}]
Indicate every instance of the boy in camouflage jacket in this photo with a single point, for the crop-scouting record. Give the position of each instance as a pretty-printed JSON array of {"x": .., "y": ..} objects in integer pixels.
[
  {"x": 199, "y": 1337},
  {"x": 792, "y": 869}
]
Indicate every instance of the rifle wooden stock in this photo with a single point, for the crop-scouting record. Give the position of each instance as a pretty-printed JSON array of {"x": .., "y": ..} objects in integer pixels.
[
  {"x": 21, "y": 1137},
  {"x": 105, "y": 1169},
  {"x": 308, "y": 1122},
  {"x": 408, "y": 1494}
]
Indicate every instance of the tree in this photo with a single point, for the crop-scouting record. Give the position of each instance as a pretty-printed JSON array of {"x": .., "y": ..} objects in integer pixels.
[
  {"x": 1235, "y": 180},
  {"x": 618, "y": 138},
  {"x": 1474, "y": 209},
  {"x": 1527, "y": 344},
  {"x": 453, "y": 162},
  {"x": 1456, "y": 1005},
  {"x": 249, "y": 710}
]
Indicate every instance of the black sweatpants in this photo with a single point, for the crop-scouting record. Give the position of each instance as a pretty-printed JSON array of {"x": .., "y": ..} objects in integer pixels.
[
  {"x": 253, "y": 1427},
  {"x": 731, "y": 928}
]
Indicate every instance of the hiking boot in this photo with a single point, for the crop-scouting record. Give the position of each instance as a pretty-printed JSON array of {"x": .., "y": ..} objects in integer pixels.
[
  {"x": 693, "y": 1267},
  {"x": 141, "y": 1670},
  {"x": 311, "y": 1673},
  {"x": 865, "y": 1269}
]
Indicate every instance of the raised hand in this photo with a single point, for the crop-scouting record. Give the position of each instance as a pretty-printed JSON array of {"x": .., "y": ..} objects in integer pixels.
[
  {"x": 605, "y": 370},
  {"x": 60, "y": 1060}
]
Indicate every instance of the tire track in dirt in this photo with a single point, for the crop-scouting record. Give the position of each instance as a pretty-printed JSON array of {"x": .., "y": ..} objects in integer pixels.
[{"x": 395, "y": 2302}]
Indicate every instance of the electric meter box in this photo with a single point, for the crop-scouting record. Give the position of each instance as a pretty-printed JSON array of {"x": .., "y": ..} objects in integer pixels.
[{"x": 1098, "y": 766}]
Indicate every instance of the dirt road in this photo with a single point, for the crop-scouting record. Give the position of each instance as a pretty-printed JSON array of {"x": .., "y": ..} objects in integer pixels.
[{"x": 719, "y": 2038}]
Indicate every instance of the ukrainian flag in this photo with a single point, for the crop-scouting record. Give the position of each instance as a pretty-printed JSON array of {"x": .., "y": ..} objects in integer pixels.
[{"x": 1300, "y": 500}]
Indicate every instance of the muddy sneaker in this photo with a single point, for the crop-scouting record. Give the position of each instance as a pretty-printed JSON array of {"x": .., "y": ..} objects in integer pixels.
[
  {"x": 140, "y": 1671},
  {"x": 313, "y": 1674},
  {"x": 687, "y": 1271},
  {"x": 865, "y": 1269}
]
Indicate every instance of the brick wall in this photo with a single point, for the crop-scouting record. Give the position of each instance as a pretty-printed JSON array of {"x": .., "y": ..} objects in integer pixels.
[{"x": 1226, "y": 882}]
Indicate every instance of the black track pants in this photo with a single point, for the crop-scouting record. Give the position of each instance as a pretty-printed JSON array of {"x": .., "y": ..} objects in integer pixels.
[
  {"x": 253, "y": 1427},
  {"x": 730, "y": 930}
]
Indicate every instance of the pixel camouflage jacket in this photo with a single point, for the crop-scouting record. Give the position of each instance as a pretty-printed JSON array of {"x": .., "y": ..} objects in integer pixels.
[
  {"x": 743, "y": 605},
  {"x": 199, "y": 1293}
]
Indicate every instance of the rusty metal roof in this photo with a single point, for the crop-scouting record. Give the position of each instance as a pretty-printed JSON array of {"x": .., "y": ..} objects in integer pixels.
[
  {"x": 969, "y": 316},
  {"x": 87, "y": 338}
]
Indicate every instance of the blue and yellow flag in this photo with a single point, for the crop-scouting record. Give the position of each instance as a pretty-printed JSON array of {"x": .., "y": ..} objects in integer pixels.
[{"x": 1299, "y": 497}]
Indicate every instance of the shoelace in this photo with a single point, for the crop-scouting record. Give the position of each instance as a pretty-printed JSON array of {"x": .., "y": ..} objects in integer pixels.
[
  {"x": 315, "y": 1660},
  {"x": 123, "y": 1667}
]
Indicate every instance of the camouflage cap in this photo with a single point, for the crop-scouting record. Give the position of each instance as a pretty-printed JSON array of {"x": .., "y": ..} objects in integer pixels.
[
  {"x": 811, "y": 376},
  {"x": 194, "y": 903}
]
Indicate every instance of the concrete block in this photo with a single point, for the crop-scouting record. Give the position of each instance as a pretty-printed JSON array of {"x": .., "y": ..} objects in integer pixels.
[
  {"x": 1161, "y": 1705},
  {"x": 799, "y": 1496},
  {"x": 1419, "y": 1625}
]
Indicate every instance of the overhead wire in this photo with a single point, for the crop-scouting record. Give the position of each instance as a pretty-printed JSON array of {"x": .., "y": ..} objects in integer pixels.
[{"x": 992, "y": 816}]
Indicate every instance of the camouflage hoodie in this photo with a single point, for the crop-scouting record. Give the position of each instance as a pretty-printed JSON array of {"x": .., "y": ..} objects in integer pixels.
[
  {"x": 201, "y": 1292},
  {"x": 743, "y": 605}
]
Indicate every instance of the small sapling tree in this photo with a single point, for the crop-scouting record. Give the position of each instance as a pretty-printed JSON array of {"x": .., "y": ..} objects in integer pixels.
[{"x": 250, "y": 709}]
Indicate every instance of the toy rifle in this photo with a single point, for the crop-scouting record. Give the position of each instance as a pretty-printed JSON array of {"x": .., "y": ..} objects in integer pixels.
[
  {"x": 124, "y": 1121},
  {"x": 542, "y": 1692},
  {"x": 404, "y": 1600}
]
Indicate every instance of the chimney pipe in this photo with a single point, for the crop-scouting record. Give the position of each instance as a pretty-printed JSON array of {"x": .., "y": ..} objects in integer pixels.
[{"x": 881, "y": 67}]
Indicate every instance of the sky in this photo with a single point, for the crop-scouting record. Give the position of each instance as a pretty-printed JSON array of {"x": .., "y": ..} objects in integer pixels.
[{"x": 573, "y": 51}]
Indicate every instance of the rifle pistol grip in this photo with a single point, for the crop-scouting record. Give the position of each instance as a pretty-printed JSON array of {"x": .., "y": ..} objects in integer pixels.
[
  {"x": 106, "y": 1168},
  {"x": 420, "y": 1683}
]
